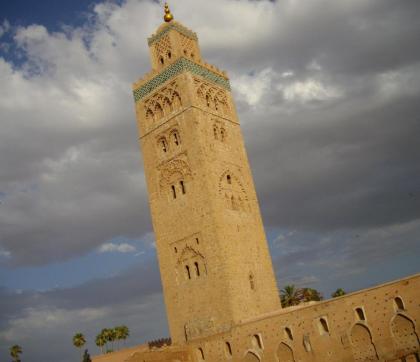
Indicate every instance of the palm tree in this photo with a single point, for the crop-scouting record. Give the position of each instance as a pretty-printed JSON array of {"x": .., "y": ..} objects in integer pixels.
[
  {"x": 15, "y": 351},
  {"x": 310, "y": 294},
  {"x": 79, "y": 341},
  {"x": 289, "y": 296},
  {"x": 122, "y": 332},
  {"x": 338, "y": 293},
  {"x": 100, "y": 341},
  {"x": 109, "y": 336}
]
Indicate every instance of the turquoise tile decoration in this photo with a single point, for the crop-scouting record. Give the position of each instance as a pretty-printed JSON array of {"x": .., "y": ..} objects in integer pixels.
[
  {"x": 180, "y": 66},
  {"x": 180, "y": 29}
]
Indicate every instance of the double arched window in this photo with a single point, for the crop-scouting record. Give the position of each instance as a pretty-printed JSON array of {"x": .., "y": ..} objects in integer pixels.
[{"x": 174, "y": 142}]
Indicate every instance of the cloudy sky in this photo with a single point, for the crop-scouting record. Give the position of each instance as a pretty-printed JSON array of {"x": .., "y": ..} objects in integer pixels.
[{"x": 328, "y": 94}]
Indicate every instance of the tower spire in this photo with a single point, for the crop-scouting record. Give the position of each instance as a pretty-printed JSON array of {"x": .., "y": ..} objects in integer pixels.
[{"x": 168, "y": 15}]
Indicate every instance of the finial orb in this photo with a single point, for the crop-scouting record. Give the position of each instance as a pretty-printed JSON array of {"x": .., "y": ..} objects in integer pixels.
[{"x": 168, "y": 15}]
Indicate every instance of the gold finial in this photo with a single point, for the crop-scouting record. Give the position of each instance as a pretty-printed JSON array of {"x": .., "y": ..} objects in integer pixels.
[{"x": 168, "y": 15}]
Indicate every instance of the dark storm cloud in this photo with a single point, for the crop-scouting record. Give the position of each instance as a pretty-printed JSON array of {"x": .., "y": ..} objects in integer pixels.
[
  {"x": 328, "y": 149},
  {"x": 328, "y": 94},
  {"x": 356, "y": 171}
]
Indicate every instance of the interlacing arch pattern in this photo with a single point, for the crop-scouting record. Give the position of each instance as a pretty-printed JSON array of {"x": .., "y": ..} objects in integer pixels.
[
  {"x": 163, "y": 103},
  {"x": 188, "y": 47},
  {"x": 163, "y": 50},
  {"x": 231, "y": 189},
  {"x": 169, "y": 141},
  {"x": 211, "y": 97}
]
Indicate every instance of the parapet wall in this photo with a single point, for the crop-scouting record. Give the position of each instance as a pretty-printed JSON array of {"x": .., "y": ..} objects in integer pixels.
[{"x": 375, "y": 324}]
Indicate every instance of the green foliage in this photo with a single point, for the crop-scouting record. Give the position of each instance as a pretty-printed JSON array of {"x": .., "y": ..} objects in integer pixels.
[
  {"x": 310, "y": 294},
  {"x": 79, "y": 340},
  {"x": 110, "y": 335},
  {"x": 122, "y": 332},
  {"x": 15, "y": 351},
  {"x": 291, "y": 295},
  {"x": 338, "y": 293}
]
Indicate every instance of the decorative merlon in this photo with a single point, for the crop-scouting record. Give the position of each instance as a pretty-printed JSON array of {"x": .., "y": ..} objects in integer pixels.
[{"x": 168, "y": 27}]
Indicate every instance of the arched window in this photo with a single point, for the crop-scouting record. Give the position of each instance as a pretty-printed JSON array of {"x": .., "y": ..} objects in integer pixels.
[
  {"x": 197, "y": 241},
  {"x": 169, "y": 55},
  {"x": 323, "y": 326},
  {"x": 200, "y": 354},
  {"x": 208, "y": 100},
  {"x": 251, "y": 281},
  {"x": 149, "y": 114},
  {"x": 161, "y": 60},
  {"x": 222, "y": 135},
  {"x": 175, "y": 249},
  {"x": 158, "y": 111},
  {"x": 175, "y": 138},
  {"x": 163, "y": 145},
  {"x": 182, "y": 186},
  {"x": 360, "y": 314},
  {"x": 167, "y": 106},
  {"x": 228, "y": 349},
  {"x": 197, "y": 269},
  {"x": 176, "y": 101},
  {"x": 229, "y": 179},
  {"x": 256, "y": 341},
  {"x": 398, "y": 303},
  {"x": 288, "y": 333},
  {"x": 215, "y": 132},
  {"x": 188, "y": 273},
  {"x": 173, "y": 191}
]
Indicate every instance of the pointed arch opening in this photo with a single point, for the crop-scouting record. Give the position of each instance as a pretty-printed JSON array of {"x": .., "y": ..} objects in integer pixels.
[
  {"x": 405, "y": 337},
  {"x": 228, "y": 349},
  {"x": 285, "y": 353},
  {"x": 398, "y": 303},
  {"x": 187, "y": 271},
  {"x": 257, "y": 341},
  {"x": 360, "y": 314},
  {"x": 288, "y": 333},
  {"x": 362, "y": 345}
]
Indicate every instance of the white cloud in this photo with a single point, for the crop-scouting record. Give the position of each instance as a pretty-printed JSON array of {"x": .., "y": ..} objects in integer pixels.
[
  {"x": 252, "y": 87},
  {"x": 310, "y": 90},
  {"x": 119, "y": 248}
]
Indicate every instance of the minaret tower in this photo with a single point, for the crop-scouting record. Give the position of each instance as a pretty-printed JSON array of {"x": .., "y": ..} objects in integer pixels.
[{"x": 214, "y": 260}]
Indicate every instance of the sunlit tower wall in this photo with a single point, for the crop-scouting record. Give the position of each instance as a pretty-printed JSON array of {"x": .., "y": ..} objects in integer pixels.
[{"x": 213, "y": 255}]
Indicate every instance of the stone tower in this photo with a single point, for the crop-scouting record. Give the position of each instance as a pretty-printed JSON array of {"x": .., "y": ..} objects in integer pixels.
[{"x": 214, "y": 260}]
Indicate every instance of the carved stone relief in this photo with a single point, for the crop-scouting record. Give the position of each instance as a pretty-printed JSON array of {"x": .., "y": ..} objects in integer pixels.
[
  {"x": 164, "y": 102},
  {"x": 233, "y": 192}
]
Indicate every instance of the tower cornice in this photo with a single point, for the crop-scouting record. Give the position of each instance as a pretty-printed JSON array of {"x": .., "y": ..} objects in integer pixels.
[{"x": 145, "y": 86}]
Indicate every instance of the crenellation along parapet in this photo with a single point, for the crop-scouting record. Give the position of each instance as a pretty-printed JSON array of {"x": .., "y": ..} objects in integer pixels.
[{"x": 166, "y": 27}]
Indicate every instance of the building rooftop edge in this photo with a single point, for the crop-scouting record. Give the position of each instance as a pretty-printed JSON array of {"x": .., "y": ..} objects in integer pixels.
[
  {"x": 330, "y": 300},
  {"x": 166, "y": 27}
]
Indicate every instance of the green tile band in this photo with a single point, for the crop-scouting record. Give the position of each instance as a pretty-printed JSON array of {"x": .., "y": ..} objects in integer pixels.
[
  {"x": 178, "y": 28},
  {"x": 181, "y": 65}
]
